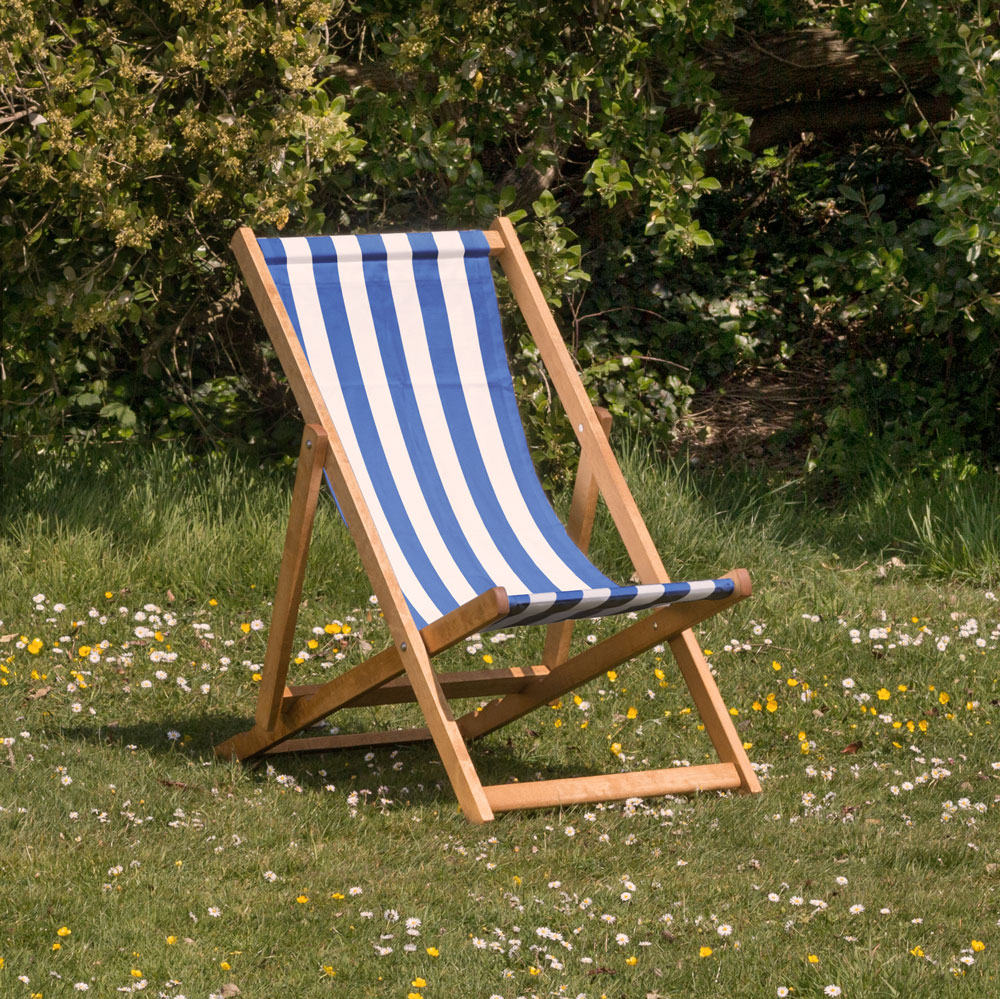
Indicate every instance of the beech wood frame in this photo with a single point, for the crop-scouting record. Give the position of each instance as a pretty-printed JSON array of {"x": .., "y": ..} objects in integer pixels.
[{"x": 403, "y": 671}]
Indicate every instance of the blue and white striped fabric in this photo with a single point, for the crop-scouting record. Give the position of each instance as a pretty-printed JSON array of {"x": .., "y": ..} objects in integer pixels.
[{"x": 402, "y": 333}]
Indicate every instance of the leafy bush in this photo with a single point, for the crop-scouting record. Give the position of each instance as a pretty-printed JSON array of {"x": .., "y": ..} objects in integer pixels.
[
  {"x": 144, "y": 134},
  {"x": 139, "y": 135}
]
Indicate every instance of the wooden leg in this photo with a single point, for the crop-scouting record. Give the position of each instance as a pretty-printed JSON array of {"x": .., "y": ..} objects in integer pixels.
[
  {"x": 293, "y": 566},
  {"x": 712, "y": 708},
  {"x": 582, "y": 510},
  {"x": 448, "y": 738}
]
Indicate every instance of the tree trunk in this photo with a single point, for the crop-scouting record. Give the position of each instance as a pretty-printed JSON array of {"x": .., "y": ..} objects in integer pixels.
[{"x": 755, "y": 73}]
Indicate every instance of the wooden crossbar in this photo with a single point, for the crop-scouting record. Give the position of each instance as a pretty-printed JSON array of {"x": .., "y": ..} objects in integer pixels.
[
  {"x": 468, "y": 683},
  {"x": 612, "y": 787}
]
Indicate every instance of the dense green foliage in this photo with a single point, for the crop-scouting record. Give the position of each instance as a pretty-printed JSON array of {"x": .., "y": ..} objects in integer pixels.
[{"x": 135, "y": 136}]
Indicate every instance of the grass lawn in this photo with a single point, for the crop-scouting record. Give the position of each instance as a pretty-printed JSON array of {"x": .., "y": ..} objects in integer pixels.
[{"x": 133, "y": 607}]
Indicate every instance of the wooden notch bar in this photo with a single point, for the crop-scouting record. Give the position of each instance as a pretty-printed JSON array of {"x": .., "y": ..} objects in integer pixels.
[
  {"x": 612, "y": 787},
  {"x": 352, "y": 740},
  {"x": 309, "y": 704},
  {"x": 305, "y": 711},
  {"x": 661, "y": 626}
]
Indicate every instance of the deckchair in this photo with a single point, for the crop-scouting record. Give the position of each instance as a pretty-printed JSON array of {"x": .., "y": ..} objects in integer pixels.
[{"x": 393, "y": 349}]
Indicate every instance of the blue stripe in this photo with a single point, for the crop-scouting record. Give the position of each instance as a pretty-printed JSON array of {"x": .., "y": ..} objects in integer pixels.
[
  {"x": 342, "y": 345},
  {"x": 446, "y": 374},
  {"x": 277, "y": 263},
  {"x": 418, "y": 447},
  {"x": 480, "y": 278}
]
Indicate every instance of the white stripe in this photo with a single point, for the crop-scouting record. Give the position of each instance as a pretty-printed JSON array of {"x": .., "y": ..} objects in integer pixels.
[
  {"x": 700, "y": 590},
  {"x": 380, "y": 399},
  {"x": 538, "y": 602},
  {"x": 432, "y": 416},
  {"x": 461, "y": 317},
  {"x": 318, "y": 349}
]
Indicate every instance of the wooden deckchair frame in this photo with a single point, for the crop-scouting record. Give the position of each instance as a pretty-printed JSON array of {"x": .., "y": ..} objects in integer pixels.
[{"x": 403, "y": 671}]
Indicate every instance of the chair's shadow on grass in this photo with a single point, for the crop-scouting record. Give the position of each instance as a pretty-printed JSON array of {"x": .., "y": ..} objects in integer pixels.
[{"x": 498, "y": 758}]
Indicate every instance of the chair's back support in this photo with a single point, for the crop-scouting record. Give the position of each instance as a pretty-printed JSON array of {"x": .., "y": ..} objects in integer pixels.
[{"x": 402, "y": 334}]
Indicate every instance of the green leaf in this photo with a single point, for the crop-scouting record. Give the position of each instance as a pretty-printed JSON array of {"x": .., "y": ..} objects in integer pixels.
[
  {"x": 948, "y": 235},
  {"x": 120, "y": 412}
]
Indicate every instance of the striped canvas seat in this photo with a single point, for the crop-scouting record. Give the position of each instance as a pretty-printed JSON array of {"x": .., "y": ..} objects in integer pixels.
[{"x": 402, "y": 334}]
